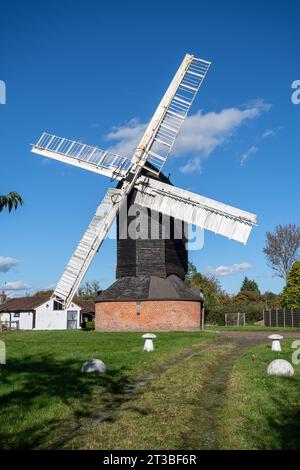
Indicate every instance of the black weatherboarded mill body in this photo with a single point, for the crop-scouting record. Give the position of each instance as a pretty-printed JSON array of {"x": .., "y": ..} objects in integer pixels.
[{"x": 152, "y": 258}]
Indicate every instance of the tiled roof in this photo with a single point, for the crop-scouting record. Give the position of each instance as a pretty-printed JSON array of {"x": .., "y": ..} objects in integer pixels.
[
  {"x": 87, "y": 306},
  {"x": 149, "y": 288},
  {"x": 23, "y": 304}
]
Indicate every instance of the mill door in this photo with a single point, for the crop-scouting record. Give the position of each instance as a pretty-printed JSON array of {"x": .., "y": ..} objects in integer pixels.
[{"x": 72, "y": 319}]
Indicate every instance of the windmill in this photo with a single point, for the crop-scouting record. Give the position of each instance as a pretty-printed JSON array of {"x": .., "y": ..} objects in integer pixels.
[{"x": 141, "y": 180}]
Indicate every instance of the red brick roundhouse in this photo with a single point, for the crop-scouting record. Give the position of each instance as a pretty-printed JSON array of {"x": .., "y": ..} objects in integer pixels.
[{"x": 149, "y": 293}]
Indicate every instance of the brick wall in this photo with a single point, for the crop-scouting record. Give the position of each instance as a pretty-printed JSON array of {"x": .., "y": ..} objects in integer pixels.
[{"x": 161, "y": 315}]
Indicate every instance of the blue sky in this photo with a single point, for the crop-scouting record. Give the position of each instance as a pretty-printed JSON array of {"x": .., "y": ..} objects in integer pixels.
[{"x": 95, "y": 71}]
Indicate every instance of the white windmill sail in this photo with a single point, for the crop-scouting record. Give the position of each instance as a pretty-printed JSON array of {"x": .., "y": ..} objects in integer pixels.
[
  {"x": 167, "y": 118},
  {"x": 87, "y": 247},
  {"x": 154, "y": 149},
  {"x": 84, "y": 156},
  {"x": 194, "y": 209},
  {"x": 164, "y": 127}
]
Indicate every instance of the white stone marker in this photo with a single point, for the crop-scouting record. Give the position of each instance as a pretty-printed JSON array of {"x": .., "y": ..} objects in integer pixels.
[
  {"x": 94, "y": 365},
  {"x": 149, "y": 346},
  {"x": 276, "y": 342},
  {"x": 280, "y": 367}
]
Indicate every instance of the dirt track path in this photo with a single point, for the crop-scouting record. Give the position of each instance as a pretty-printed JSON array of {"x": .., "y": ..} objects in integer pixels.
[
  {"x": 205, "y": 422},
  {"x": 127, "y": 394},
  {"x": 203, "y": 428}
]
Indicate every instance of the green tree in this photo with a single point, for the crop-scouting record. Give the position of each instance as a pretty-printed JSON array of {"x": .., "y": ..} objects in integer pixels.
[
  {"x": 11, "y": 200},
  {"x": 271, "y": 300},
  {"x": 217, "y": 303},
  {"x": 190, "y": 272},
  {"x": 249, "y": 286},
  {"x": 214, "y": 297},
  {"x": 291, "y": 293}
]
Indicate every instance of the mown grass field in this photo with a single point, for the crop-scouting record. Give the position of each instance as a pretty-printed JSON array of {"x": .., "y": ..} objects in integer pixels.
[
  {"x": 253, "y": 328},
  {"x": 195, "y": 391},
  {"x": 261, "y": 412},
  {"x": 42, "y": 392}
]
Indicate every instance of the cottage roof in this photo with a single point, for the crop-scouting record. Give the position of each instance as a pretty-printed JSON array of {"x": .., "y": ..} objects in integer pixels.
[
  {"x": 25, "y": 304},
  {"x": 87, "y": 306}
]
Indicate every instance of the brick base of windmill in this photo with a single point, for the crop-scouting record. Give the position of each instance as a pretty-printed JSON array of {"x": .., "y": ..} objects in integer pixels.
[
  {"x": 176, "y": 310},
  {"x": 150, "y": 293}
]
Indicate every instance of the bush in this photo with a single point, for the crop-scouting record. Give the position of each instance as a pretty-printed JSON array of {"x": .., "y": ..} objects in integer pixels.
[
  {"x": 253, "y": 312},
  {"x": 90, "y": 325},
  {"x": 215, "y": 318}
]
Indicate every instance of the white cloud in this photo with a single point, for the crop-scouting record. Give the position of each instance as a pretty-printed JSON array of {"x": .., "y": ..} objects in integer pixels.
[
  {"x": 15, "y": 285},
  {"x": 126, "y": 137},
  {"x": 224, "y": 270},
  {"x": 193, "y": 165},
  {"x": 268, "y": 133},
  {"x": 200, "y": 135},
  {"x": 251, "y": 151},
  {"x": 271, "y": 132},
  {"x": 7, "y": 263}
]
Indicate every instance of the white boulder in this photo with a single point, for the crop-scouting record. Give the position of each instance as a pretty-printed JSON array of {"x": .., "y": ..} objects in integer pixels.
[
  {"x": 280, "y": 367},
  {"x": 94, "y": 365}
]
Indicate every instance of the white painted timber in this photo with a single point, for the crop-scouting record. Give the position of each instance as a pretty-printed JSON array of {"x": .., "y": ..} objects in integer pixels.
[
  {"x": 81, "y": 155},
  {"x": 25, "y": 319},
  {"x": 194, "y": 209},
  {"x": 46, "y": 318},
  {"x": 175, "y": 113},
  {"x": 87, "y": 247},
  {"x": 166, "y": 122}
]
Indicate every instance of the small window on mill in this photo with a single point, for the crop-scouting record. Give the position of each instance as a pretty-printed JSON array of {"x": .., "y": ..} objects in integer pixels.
[
  {"x": 57, "y": 305},
  {"x": 138, "y": 307}
]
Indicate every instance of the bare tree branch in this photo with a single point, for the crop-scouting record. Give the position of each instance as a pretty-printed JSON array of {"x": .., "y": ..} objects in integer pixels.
[{"x": 282, "y": 248}]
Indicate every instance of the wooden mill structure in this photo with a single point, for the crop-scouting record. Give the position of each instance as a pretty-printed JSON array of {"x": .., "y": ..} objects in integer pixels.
[{"x": 149, "y": 292}]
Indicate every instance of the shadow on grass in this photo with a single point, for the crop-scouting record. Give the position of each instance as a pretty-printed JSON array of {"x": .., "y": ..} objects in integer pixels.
[
  {"x": 44, "y": 398},
  {"x": 286, "y": 429}
]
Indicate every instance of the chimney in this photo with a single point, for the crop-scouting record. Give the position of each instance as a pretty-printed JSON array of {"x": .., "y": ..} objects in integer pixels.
[{"x": 2, "y": 297}]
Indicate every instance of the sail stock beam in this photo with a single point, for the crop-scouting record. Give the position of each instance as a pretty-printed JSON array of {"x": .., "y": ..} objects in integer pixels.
[{"x": 81, "y": 155}]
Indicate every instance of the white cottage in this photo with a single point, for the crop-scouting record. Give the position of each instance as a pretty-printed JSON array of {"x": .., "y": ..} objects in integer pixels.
[{"x": 44, "y": 313}]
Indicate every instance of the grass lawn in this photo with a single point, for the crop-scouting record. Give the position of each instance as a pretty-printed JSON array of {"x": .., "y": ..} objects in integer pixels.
[
  {"x": 204, "y": 391},
  {"x": 165, "y": 415},
  {"x": 43, "y": 395},
  {"x": 261, "y": 412},
  {"x": 249, "y": 328}
]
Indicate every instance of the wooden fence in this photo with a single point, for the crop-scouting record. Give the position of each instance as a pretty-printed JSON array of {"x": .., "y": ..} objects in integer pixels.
[
  {"x": 9, "y": 325},
  {"x": 235, "y": 319},
  {"x": 286, "y": 318}
]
